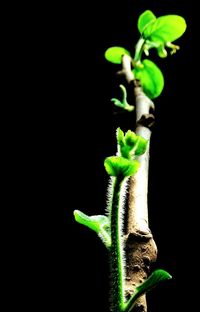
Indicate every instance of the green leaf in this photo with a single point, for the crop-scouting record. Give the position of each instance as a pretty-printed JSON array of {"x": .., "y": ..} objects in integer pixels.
[
  {"x": 120, "y": 137},
  {"x": 154, "y": 279},
  {"x": 130, "y": 144},
  {"x": 99, "y": 223},
  {"x": 145, "y": 19},
  {"x": 165, "y": 29},
  {"x": 114, "y": 54},
  {"x": 120, "y": 166},
  {"x": 127, "y": 149},
  {"x": 141, "y": 146},
  {"x": 137, "y": 144},
  {"x": 151, "y": 78},
  {"x": 130, "y": 138},
  {"x": 126, "y": 143},
  {"x": 93, "y": 222}
]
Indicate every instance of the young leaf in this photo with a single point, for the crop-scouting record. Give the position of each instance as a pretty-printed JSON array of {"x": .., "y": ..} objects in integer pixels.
[
  {"x": 114, "y": 54},
  {"x": 123, "y": 104},
  {"x": 165, "y": 29},
  {"x": 130, "y": 144},
  {"x": 130, "y": 141},
  {"x": 100, "y": 224},
  {"x": 141, "y": 146},
  {"x": 120, "y": 166},
  {"x": 130, "y": 138},
  {"x": 151, "y": 78},
  {"x": 145, "y": 19},
  {"x": 137, "y": 145},
  {"x": 120, "y": 137},
  {"x": 154, "y": 279},
  {"x": 125, "y": 143}
]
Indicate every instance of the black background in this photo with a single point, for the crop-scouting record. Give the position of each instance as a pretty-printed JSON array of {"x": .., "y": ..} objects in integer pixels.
[{"x": 66, "y": 127}]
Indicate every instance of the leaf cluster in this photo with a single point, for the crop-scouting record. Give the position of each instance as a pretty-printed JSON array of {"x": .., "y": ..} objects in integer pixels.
[{"x": 155, "y": 32}]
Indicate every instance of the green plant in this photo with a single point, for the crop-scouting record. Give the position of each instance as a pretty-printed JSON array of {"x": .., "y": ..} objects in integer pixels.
[{"x": 131, "y": 253}]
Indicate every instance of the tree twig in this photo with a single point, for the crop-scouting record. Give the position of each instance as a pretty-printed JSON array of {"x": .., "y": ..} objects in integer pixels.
[{"x": 141, "y": 249}]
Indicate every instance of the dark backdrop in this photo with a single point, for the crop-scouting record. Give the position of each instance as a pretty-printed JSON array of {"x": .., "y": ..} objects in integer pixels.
[{"x": 72, "y": 125}]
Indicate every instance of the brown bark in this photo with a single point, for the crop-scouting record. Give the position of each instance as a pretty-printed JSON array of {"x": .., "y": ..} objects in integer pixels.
[{"x": 141, "y": 249}]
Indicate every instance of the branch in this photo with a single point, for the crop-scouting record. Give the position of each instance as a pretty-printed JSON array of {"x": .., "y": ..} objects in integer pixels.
[
  {"x": 138, "y": 208},
  {"x": 141, "y": 249},
  {"x": 126, "y": 68}
]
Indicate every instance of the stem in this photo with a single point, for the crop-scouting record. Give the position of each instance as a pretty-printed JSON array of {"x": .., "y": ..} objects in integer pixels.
[
  {"x": 126, "y": 68},
  {"x": 116, "y": 250},
  {"x": 139, "y": 49},
  {"x": 141, "y": 249},
  {"x": 138, "y": 208},
  {"x": 153, "y": 280}
]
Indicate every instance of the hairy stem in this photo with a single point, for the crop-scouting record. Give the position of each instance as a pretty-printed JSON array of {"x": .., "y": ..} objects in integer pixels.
[{"x": 116, "y": 249}]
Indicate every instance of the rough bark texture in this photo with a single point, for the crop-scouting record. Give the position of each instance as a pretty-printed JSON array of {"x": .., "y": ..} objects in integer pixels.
[
  {"x": 140, "y": 247},
  {"x": 140, "y": 251}
]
